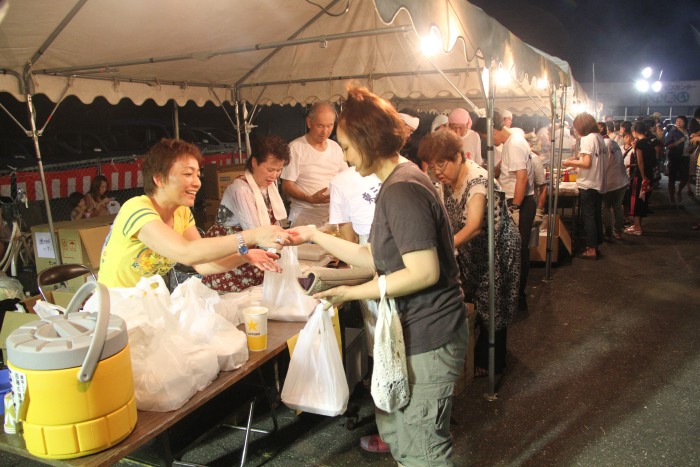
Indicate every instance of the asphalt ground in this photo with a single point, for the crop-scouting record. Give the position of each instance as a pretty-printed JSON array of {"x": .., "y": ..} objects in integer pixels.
[{"x": 603, "y": 370}]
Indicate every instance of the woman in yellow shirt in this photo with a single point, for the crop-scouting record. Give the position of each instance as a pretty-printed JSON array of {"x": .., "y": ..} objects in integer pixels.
[{"x": 154, "y": 231}]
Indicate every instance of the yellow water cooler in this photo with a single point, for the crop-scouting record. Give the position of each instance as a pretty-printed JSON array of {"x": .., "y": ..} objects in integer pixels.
[{"x": 72, "y": 382}]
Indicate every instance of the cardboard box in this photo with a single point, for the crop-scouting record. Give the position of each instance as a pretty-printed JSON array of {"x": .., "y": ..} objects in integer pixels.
[
  {"x": 356, "y": 357},
  {"x": 211, "y": 209},
  {"x": 561, "y": 235},
  {"x": 78, "y": 241},
  {"x": 216, "y": 178},
  {"x": 11, "y": 322},
  {"x": 467, "y": 377}
]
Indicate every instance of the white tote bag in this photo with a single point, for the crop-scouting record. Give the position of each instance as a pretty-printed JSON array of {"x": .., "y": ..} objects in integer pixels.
[
  {"x": 390, "y": 389},
  {"x": 316, "y": 380}
]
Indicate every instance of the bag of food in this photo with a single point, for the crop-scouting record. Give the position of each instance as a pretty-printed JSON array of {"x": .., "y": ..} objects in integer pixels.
[
  {"x": 193, "y": 303},
  {"x": 316, "y": 380},
  {"x": 283, "y": 295}
]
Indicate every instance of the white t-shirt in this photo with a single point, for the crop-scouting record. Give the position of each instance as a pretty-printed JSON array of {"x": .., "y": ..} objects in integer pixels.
[
  {"x": 515, "y": 156},
  {"x": 615, "y": 173},
  {"x": 537, "y": 175},
  {"x": 352, "y": 200},
  {"x": 594, "y": 176},
  {"x": 311, "y": 171},
  {"x": 471, "y": 145}
]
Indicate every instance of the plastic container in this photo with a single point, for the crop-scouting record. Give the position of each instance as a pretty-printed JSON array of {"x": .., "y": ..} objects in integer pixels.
[{"x": 72, "y": 381}]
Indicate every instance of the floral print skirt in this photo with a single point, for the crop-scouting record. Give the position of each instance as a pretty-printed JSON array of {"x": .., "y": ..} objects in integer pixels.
[{"x": 234, "y": 280}]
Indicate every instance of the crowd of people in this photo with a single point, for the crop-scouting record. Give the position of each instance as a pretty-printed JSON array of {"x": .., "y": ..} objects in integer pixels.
[{"x": 411, "y": 206}]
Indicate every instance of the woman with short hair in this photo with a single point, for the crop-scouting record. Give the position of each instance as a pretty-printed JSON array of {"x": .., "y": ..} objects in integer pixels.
[
  {"x": 411, "y": 243},
  {"x": 251, "y": 201},
  {"x": 154, "y": 231},
  {"x": 465, "y": 193}
]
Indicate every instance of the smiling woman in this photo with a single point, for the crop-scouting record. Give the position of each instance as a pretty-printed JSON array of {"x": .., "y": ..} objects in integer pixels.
[
  {"x": 250, "y": 201},
  {"x": 154, "y": 231}
]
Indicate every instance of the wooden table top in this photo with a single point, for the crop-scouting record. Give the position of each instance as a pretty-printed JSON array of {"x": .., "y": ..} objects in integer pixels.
[{"x": 151, "y": 424}]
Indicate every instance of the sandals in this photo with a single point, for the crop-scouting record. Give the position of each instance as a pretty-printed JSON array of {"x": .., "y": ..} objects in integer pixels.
[
  {"x": 480, "y": 372},
  {"x": 374, "y": 443},
  {"x": 632, "y": 230},
  {"x": 592, "y": 257}
]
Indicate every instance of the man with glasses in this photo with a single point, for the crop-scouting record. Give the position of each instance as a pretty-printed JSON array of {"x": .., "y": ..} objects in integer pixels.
[{"x": 515, "y": 162}]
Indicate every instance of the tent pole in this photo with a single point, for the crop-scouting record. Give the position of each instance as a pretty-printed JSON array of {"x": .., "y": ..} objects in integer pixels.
[
  {"x": 552, "y": 157},
  {"x": 176, "y": 121},
  {"x": 35, "y": 138},
  {"x": 551, "y": 221},
  {"x": 555, "y": 162},
  {"x": 247, "y": 128},
  {"x": 490, "y": 102}
]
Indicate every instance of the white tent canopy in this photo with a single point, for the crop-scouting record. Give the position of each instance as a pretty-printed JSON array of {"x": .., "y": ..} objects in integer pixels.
[{"x": 266, "y": 51}]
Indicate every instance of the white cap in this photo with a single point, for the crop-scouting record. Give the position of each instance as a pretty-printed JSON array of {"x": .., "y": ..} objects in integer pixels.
[
  {"x": 507, "y": 114},
  {"x": 410, "y": 121},
  {"x": 438, "y": 121}
]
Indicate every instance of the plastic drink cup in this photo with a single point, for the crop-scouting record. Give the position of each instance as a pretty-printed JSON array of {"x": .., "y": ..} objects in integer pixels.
[{"x": 255, "y": 318}]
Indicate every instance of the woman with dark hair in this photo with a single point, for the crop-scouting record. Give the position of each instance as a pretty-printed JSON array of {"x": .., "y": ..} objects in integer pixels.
[
  {"x": 590, "y": 180},
  {"x": 95, "y": 200},
  {"x": 251, "y": 201},
  {"x": 411, "y": 243},
  {"x": 465, "y": 188},
  {"x": 154, "y": 231},
  {"x": 677, "y": 142},
  {"x": 642, "y": 158}
]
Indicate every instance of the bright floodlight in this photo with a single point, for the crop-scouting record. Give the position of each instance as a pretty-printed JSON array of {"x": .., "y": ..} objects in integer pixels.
[
  {"x": 578, "y": 107},
  {"x": 542, "y": 83},
  {"x": 656, "y": 87},
  {"x": 646, "y": 73},
  {"x": 431, "y": 44},
  {"x": 642, "y": 85},
  {"x": 502, "y": 77}
]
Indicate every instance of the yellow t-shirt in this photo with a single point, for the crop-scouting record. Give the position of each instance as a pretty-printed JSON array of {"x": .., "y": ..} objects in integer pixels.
[{"x": 124, "y": 258}]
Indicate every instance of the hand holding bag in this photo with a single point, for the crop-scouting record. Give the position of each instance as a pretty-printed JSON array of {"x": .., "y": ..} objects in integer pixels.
[
  {"x": 316, "y": 380},
  {"x": 390, "y": 389}
]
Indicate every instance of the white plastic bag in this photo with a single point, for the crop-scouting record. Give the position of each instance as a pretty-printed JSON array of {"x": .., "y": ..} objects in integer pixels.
[
  {"x": 390, "y": 389},
  {"x": 194, "y": 304},
  {"x": 168, "y": 366},
  {"x": 284, "y": 297},
  {"x": 315, "y": 380}
]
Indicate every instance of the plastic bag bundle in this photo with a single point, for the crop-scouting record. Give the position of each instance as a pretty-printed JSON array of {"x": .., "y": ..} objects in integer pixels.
[
  {"x": 390, "y": 390},
  {"x": 169, "y": 366},
  {"x": 194, "y": 304},
  {"x": 283, "y": 295},
  {"x": 316, "y": 380}
]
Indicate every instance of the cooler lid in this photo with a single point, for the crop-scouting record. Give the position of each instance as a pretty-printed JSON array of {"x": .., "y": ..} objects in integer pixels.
[{"x": 62, "y": 341}]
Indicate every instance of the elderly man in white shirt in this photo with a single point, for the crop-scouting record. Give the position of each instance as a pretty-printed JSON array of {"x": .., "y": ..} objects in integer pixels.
[
  {"x": 315, "y": 160},
  {"x": 513, "y": 178},
  {"x": 460, "y": 122}
]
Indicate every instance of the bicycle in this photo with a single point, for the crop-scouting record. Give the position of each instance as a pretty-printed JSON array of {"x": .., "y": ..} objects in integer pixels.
[{"x": 19, "y": 249}]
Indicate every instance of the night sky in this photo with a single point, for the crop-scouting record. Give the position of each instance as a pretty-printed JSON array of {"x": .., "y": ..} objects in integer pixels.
[{"x": 619, "y": 36}]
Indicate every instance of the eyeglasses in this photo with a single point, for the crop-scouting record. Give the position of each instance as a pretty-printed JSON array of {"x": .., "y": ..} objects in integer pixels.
[{"x": 439, "y": 166}]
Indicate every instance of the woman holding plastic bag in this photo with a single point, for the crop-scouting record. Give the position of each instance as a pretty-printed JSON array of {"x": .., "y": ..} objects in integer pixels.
[
  {"x": 154, "y": 231},
  {"x": 411, "y": 243}
]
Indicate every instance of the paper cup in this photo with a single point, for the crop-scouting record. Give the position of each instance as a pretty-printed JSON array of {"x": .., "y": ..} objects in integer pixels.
[{"x": 255, "y": 318}]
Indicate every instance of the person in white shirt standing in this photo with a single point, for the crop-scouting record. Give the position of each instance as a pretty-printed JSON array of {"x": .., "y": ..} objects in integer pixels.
[
  {"x": 590, "y": 181},
  {"x": 315, "y": 160},
  {"x": 514, "y": 180},
  {"x": 460, "y": 122},
  {"x": 616, "y": 183}
]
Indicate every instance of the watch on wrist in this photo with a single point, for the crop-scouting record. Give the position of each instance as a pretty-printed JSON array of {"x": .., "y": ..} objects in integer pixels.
[
  {"x": 242, "y": 247},
  {"x": 514, "y": 207}
]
